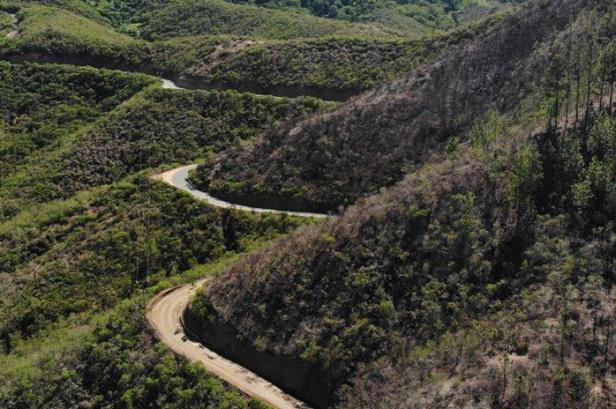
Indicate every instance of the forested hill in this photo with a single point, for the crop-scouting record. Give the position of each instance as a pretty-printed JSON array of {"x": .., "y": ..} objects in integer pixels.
[
  {"x": 484, "y": 278},
  {"x": 371, "y": 141}
]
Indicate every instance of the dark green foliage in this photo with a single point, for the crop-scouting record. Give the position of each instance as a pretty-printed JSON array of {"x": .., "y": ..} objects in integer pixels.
[
  {"x": 41, "y": 105},
  {"x": 121, "y": 365},
  {"x": 94, "y": 253}
]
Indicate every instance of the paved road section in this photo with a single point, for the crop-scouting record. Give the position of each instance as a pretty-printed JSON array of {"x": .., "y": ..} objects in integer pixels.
[
  {"x": 178, "y": 178},
  {"x": 13, "y": 33}
]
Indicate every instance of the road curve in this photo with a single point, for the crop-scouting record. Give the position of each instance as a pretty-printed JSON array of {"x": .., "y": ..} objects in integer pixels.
[
  {"x": 178, "y": 179},
  {"x": 168, "y": 84},
  {"x": 164, "y": 313},
  {"x": 13, "y": 33}
]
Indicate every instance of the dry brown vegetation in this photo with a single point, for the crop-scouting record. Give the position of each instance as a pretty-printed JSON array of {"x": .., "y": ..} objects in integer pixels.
[
  {"x": 370, "y": 142},
  {"x": 485, "y": 278}
]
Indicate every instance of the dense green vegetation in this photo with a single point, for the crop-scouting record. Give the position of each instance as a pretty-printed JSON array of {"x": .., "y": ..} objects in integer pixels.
[
  {"x": 41, "y": 105},
  {"x": 153, "y": 128},
  {"x": 69, "y": 257},
  {"x": 72, "y": 269},
  {"x": 281, "y": 19},
  {"x": 400, "y": 14},
  {"x": 479, "y": 276},
  {"x": 110, "y": 360},
  {"x": 209, "y": 17},
  {"x": 43, "y": 108}
]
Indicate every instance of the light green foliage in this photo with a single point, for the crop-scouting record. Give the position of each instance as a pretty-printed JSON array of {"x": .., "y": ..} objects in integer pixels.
[
  {"x": 524, "y": 176},
  {"x": 488, "y": 129}
]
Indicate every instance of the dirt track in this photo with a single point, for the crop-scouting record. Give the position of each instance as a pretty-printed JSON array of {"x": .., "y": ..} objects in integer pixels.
[{"x": 164, "y": 313}]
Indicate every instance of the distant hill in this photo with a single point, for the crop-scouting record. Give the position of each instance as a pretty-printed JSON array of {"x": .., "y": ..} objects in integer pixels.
[{"x": 402, "y": 15}]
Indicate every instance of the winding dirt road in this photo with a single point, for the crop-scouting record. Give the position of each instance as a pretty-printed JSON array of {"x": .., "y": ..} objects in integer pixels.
[
  {"x": 178, "y": 179},
  {"x": 164, "y": 311},
  {"x": 164, "y": 315}
]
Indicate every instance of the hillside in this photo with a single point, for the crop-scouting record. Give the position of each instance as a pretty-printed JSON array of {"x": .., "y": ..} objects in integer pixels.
[
  {"x": 292, "y": 19},
  {"x": 431, "y": 292},
  {"x": 371, "y": 141},
  {"x": 403, "y": 16},
  {"x": 332, "y": 68},
  {"x": 78, "y": 258},
  {"x": 481, "y": 279},
  {"x": 461, "y": 155}
]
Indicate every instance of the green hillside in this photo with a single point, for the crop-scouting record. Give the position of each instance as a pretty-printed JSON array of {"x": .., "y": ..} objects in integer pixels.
[
  {"x": 403, "y": 15},
  {"x": 71, "y": 297}
]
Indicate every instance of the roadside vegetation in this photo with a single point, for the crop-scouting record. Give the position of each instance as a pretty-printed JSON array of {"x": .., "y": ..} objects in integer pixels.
[
  {"x": 47, "y": 160},
  {"x": 109, "y": 359},
  {"x": 77, "y": 259}
]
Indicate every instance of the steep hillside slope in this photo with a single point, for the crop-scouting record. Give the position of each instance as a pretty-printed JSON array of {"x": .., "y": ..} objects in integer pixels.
[
  {"x": 42, "y": 105},
  {"x": 371, "y": 141},
  {"x": 169, "y": 126},
  {"x": 482, "y": 279}
]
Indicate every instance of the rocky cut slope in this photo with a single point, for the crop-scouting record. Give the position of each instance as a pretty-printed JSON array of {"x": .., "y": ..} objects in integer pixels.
[{"x": 334, "y": 158}]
